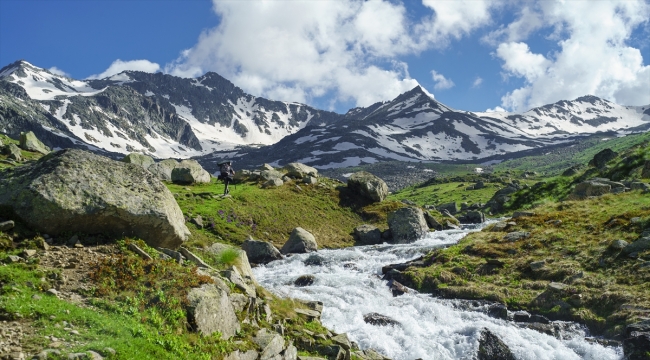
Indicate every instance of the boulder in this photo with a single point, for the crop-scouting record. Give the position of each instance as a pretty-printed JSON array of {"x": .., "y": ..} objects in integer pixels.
[
  {"x": 304, "y": 280},
  {"x": 590, "y": 188},
  {"x": 13, "y": 152},
  {"x": 451, "y": 207},
  {"x": 298, "y": 170},
  {"x": 314, "y": 260},
  {"x": 74, "y": 191},
  {"x": 379, "y": 320},
  {"x": 618, "y": 245},
  {"x": 516, "y": 235},
  {"x": 407, "y": 225},
  {"x": 274, "y": 182},
  {"x": 29, "y": 142},
  {"x": 300, "y": 241},
  {"x": 209, "y": 310},
  {"x": 602, "y": 158},
  {"x": 139, "y": 159},
  {"x": 495, "y": 204},
  {"x": 310, "y": 180},
  {"x": 260, "y": 252},
  {"x": 271, "y": 344},
  {"x": 267, "y": 175},
  {"x": 368, "y": 186},
  {"x": 163, "y": 169},
  {"x": 240, "y": 355},
  {"x": 241, "y": 263},
  {"x": 638, "y": 245},
  {"x": 473, "y": 217},
  {"x": 641, "y": 326},
  {"x": 639, "y": 186},
  {"x": 490, "y": 347},
  {"x": 233, "y": 275},
  {"x": 431, "y": 221},
  {"x": 266, "y": 167},
  {"x": 367, "y": 235},
  {"x": 189, "y": 172},
  {"x": 7, "y": 225},
  {"x": 572, "y": 171},
  {"x": 637, "y": 346}
]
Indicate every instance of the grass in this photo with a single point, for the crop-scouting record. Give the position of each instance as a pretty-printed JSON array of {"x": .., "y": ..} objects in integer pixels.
[
  {"x": 556, "y": 161},
  {"x": 271, "y": 214},
  {"x": 27, "y": 156}
]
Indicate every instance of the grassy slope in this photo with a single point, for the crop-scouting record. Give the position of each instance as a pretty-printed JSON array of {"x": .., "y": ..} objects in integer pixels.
[
  {"x": 609, "y": 290},
  {"x": 271, "y": 214},
  {"x": 556, "y": 161}
]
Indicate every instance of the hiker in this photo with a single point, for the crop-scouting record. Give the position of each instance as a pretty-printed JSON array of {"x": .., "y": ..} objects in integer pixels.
[{"x": 227, "y": 174}]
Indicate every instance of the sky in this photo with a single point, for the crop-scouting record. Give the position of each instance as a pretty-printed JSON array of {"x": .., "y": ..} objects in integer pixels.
[{"x": 476, "y": 55}]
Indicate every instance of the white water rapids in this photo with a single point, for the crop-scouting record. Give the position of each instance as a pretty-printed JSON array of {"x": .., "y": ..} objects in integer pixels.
[{"x": 430, "y": 328}]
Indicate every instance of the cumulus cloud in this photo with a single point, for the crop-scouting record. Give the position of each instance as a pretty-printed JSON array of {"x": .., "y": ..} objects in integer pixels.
[
  {"x": 441, "y": 81},
  {"x": 496, "y": 109},
  {"x": 477, "y": 82},
  {"x": 56, "y": 71},
  {"x": 118, "y": 66},
  {"x": 593, "y": 56},
  {"x": 299, "y": 51}
]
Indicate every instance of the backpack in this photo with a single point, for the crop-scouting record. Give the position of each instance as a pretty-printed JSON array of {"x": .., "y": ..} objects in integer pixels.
[{"x": 226, "y": 170}]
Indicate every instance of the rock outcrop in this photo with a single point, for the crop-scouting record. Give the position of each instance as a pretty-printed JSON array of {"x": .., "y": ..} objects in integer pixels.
[
  {"x": 300, "y": 241},
  {"x": 189, "y": 172},
  {"x": 368, "y": 186},
  {"x": 407, "y": 225},
  {"x": 77, "y": 191},
  {"x": 29, "y": 142},
  {"x": 602, "y": 158}
]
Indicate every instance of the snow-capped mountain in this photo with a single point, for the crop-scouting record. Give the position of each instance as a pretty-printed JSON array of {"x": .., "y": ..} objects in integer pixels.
[
  {"x": 415, "y": 127},
  {"x": 210, "y": 118},
  {"x": 157, "y": 114}
]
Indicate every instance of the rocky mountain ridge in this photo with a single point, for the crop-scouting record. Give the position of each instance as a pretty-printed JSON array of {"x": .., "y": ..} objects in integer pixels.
[
  {"x": 211, "y": 119},
  {"x": 157, "y": 114}
]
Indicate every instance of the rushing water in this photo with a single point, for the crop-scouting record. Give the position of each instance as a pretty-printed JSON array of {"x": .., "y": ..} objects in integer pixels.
[{"x": 349, "y": 284}]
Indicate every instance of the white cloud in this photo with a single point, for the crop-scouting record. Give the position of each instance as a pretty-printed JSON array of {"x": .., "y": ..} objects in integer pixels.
[
  {"x": 593, "y": 56},
  {"x": 118, "y": 66},
  {"x": 56, "y": 71},
  {"x": 298, "y": 51},
  {"x": 441, "y": 81},
  {"x": 496, "y": 109},
  {"x": 477, "y": 82}
]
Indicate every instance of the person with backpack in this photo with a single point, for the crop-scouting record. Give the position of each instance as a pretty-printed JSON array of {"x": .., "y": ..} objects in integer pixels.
[{"x": 227, "y": 174}]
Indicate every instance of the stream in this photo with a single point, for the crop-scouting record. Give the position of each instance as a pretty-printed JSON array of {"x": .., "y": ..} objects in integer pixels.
[{"x": 349, "y": 284}]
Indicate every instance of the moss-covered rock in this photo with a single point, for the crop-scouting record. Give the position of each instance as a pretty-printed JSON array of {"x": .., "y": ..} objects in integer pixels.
[{"x": 77, "y": 191}]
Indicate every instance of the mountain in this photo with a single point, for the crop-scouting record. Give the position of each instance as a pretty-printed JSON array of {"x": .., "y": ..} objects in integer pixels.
[
  {"x": 211, "y": 119},
  {"x": 416, "y": 127},
  {"x": 157, "y": 114}
]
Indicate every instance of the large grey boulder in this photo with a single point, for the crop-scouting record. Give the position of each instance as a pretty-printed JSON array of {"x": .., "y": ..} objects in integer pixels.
[
  {"x": 602, "y": 158},
  {"x": 72, "y": 191},
  {"x": 367, "y": 234},
  {"x": 29, "y": 142},
  {"x": 368, "y": 186},
  {"x": 298, "y": 170},
  {"x": 300, "y": 241},
  {"x": 190, "y": 172},
  {"x": 590, "y": 188},
  {"x": 267, "y": 175},
  {"x": 473, "y": 217},
  {"x": 139, "y": 159},
  {"x": 209, "y": 310},
  {"x": 407, "y": 225},
  {"x": 163, "y": 169},
  {"x": 638, "y": 245},
  {"x": 260, "y": 252},
  {"x": 490, "y": 347}
]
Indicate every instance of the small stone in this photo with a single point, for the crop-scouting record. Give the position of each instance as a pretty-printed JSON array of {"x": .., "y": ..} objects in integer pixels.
[
  {"x": 13, "y": 259},
  {"x": 6, "y": 225},
  {"x": 36, "y": 297},
  {"x": 27, "y": 253},
  {"x": 516, "y": 235},
  {"x": 537, "y": 265},
  {"x": 52, "y": 292},
  {"x": 74, "y": 332},
  {"x": 557, "y": 287},
  {"x": 618, "y": 244}
]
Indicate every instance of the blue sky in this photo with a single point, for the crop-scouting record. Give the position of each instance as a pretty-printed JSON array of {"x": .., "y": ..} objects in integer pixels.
[{"x": 471, "y": 55}]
